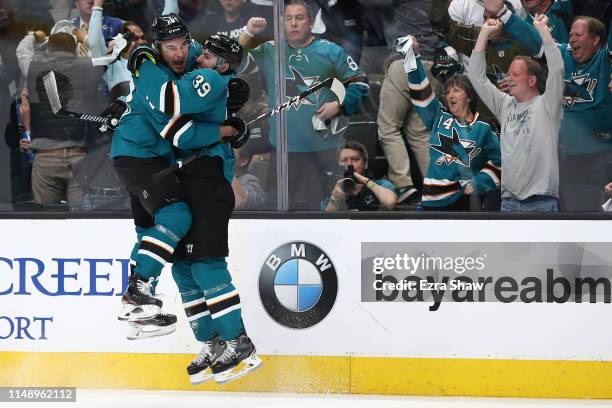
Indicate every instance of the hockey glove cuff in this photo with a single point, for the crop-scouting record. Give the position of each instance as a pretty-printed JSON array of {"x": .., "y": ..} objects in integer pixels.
[
  {"x": 113, "y": 114},
  {"x": 238, "y": 139},
  {"x": 238, "y": 92},
  {"x": 139, "y": 55}
]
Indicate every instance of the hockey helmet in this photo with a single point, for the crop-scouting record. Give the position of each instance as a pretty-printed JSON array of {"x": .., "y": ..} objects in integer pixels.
[
  {"x": 226, "y": 49},
  {"x": 168, "y": 27}
]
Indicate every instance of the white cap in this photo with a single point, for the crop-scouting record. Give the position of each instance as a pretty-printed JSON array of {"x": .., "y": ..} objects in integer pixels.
[{"x": 63, "y": 26}]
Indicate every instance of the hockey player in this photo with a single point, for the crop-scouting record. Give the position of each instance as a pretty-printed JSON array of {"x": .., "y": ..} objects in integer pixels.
[
  {"x": 464, "y": 151},
  {"x": 211, "y": 301},
  {"x": 160, "y": 212},
  {"x": 312, "y": 146}
]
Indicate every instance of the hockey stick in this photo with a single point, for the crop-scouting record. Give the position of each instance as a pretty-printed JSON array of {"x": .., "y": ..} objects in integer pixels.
[
  {"x": 56, "y": 104},
  {"x": 332, "y": 83}
]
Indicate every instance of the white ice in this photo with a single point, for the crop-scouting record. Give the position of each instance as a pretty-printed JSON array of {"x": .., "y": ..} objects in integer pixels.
[{"x": 202, "y": 399}]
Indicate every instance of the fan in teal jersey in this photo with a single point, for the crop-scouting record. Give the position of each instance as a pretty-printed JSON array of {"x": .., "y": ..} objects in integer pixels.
[
  {"x": 464, "y": 152},
  {"x": 308, "y": 60},
  {"x": 585, "y": 137},
  {"x": 160, "y": 212}
]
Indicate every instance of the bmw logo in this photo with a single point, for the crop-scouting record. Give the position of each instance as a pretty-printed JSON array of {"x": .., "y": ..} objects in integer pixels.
[{"x": 298, "y": 285}]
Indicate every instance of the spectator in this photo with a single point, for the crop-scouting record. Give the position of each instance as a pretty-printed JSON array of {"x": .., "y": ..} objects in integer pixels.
[
  {"x": 357, "y": 191},
  {"x": 471, "y": 12},
  {"x": 559, "y": 13},
  {"x": 59, "y": 143},
  {"x": 608, "y": 189},
  {"x": 599, "y": 9},
  {"x": 142, "y": 12},
  {"x": 247, "y": 188},
  {"x": 20, "y": 163},
  {"x": 585, "y": 138},
  {"x": 30, "y": 15},
  {"x": 464, "y": 152},
  {"x": 312, "y": 153},
  {"x": 401, "y": 17},
  {"x": 530, "y": 121},
  {"x": 342, "y": 24},
  {"x": 117, "y": 74},
  {"x": 466, "y": 13},
  {"x": 230, "y": 21},
  {"x": 110, "y": 25},
  {"x": 501, "y": 50},
  {"x": 396, "y": 115},
  {"x": 29, "y": 46}
]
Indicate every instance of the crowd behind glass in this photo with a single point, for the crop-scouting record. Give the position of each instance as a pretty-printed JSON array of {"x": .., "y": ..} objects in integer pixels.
[{"x": 405, "y": 145}]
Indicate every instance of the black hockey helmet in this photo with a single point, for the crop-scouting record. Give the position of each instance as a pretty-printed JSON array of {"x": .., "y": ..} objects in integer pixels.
[
  {"x": 169, "y": 26},
  {"x": 226, "y": 49}
]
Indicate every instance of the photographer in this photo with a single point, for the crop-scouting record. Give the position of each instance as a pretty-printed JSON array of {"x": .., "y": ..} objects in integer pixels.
[{"x": 355, "y": 191}]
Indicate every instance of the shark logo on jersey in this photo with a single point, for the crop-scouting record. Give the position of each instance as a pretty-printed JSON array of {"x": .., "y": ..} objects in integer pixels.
[
  {"x": 298, "y": 84},
  {"x": 579, "y": 90},
  {"x": 299, "y": 57},
  {"x": 455, "y": 150}
]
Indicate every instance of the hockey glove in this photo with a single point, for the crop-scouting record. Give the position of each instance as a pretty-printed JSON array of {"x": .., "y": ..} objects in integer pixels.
[
  {"x": 446, "y": 64},
  {"x": 139, "y": 55},
  {"x": 238, "y": 92},
  {"x": 242, "y": 134},
  {"x": 113, "y": 114}
]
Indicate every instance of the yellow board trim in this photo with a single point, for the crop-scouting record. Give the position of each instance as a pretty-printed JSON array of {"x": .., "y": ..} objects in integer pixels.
[{"x": 319, "y": 374}]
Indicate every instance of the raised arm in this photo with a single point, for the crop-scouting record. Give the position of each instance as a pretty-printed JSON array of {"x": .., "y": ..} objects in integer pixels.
[
  {"x": 170, "y": 6},
  {"x": 490, "y": 95},
  {"x": 556, "y": 70},
  {"x": 95, "y": 36},
  {"x": 518, "y": 29},
  {"x": 254, "y": 26},
  {"x": 422, "y": 96}
]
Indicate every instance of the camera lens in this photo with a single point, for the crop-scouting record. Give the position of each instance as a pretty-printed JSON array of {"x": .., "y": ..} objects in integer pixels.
[{"x": 347, "y": 185}]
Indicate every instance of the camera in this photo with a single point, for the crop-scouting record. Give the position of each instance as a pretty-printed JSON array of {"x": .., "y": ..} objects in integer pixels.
[
  {"x": 129, "y": 37},
  {"x": 347, "y": 182}
]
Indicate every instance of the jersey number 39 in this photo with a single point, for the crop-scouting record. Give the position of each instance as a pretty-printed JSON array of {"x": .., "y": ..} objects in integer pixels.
[{"x": 201, "y": 86}]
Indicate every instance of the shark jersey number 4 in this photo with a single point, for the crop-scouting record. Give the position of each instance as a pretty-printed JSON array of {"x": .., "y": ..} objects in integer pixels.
[{"x": 459, "y": 153}]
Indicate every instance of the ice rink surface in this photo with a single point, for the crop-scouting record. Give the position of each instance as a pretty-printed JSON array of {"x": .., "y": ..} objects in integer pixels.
[{"x": 202, "y": 399}]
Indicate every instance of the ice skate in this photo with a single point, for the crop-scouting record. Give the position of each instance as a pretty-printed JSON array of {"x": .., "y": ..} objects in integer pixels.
[
  {"x": 158, "y": 325},
  {"x": 139, "y": 297},
  {"x": 127, "y": 308},
  {"x": 199, "y": 369},
  {"x": 237, "y": 360}
]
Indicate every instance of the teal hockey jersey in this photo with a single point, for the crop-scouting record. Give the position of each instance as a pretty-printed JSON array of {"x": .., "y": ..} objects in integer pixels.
[
  {"x": 306, "y": 67},
  {"x": 459, "y": 153},
  {"x": 135, "y": 135},
  {"x": 587, "y": 103},
  {"x": 560, "y": 15}
]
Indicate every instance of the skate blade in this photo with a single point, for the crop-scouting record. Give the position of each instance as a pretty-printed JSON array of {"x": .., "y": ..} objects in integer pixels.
[
  {"x": 141, "y": 332},
  {"x": 246, "y": 366},
  {"x": 143, "y": 312},
  {"x": 201, "y": 378}
]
